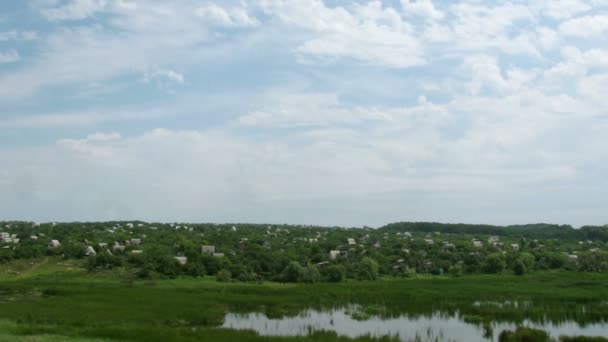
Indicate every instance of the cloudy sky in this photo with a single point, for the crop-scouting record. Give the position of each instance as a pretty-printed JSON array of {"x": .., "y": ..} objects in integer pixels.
[{"x": 325, "y": 112}]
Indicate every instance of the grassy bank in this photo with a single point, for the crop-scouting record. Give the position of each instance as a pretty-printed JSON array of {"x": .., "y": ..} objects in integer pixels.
[{"x": 50, "y": 297}]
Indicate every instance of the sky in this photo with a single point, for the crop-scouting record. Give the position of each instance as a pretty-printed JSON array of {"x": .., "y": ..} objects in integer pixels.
[{"x": 326, "y": 112}]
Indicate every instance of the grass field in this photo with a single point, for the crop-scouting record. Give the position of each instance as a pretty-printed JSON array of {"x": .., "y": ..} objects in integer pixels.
[{"x": 51, "y": 299}]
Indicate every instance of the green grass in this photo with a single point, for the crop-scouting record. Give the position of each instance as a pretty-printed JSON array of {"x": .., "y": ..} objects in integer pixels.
[{"x": 52, "y": 299}]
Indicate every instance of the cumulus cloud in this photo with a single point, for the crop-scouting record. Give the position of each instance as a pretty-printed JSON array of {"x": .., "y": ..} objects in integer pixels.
[
  {"x": 424, "y": 8},
  {"x": 370, "y": 33},
  {"x": 230, "y": 17},
  {"x": 9, "y": 56},
  {"x": 378, "y": 110},
  {"x": 585, "y": 26}
]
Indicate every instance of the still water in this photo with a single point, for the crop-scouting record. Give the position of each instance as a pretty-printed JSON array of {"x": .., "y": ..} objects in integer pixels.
[{"x": 435, "y": 327}]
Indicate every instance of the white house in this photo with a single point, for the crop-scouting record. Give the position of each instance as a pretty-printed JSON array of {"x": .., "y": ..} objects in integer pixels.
[
  {"x": 208, "y": 250},
  {"x": 54, "y": 244},
  {"x": 515, "y": 246},
  {"x": 351, "y": 241},
  {"x": 89, "y": 251},
  {"x": 334, "y": 254},
  {"x": 477, "y": 243},
  {"x": 181, "y": 260}
]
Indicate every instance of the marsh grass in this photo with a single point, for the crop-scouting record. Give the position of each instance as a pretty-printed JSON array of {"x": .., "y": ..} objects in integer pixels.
[{"x": 55, "y": 299}]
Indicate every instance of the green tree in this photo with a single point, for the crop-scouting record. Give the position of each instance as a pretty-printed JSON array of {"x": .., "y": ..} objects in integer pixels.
[
  {"x": 494, "y": 263},
  {"x": 224, "y": 275},
  {"x": 367, "y": 269},
  {"x": 293, "y": 273},
  {"x": 334, "y": 273},
  {"x": 310, "y": 274},
  {"x": 519, "y": 267}
]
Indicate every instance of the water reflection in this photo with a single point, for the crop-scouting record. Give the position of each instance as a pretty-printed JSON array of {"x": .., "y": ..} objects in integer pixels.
[{"x": 434, "y": 327}]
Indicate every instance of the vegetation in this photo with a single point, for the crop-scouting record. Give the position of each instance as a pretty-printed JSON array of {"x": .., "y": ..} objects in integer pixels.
[
  {"x": 306, "y": 253},
  {"x": 158, "y": 282}
]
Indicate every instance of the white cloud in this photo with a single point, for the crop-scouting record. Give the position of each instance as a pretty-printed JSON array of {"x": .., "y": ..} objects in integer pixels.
[
  {"x": 291, "y": 110},
  {"x": 9, "y": 56},
  {"x": 76, "y": 10},
  {"x": 164, "y": 76},
  {"x": 585, "y": 26},
  {"x": 84, "y": 118},
  {"x": 370, "y": 33},
  {"x": 18, "y": 35},
  {"x": 424, "y": 8},
  {"x": 229, "y": 17},
  {"x": 562, "y": 9}
]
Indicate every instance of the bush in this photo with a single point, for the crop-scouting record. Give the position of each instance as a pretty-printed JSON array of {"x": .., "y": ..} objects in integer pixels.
[
  {"x": 293, "y": 273},
  {"x": 334, "y": 273},
  {"x": 519, "y": 267},
  {"x": 495, "y": 263},
  {"x": 455, "y": 270},
  {"x": 224, "y": 275},
  {"x": 310, "y": 274},
  {"x": 368, "y": 269}
]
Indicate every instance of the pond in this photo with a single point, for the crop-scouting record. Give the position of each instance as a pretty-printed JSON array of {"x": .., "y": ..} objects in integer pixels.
[{"x": 433, "y": 327}]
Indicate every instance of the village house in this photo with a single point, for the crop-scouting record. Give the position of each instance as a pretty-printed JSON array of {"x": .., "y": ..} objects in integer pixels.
[
  {"x": 448, "y": 245},
  {"x": 351, "y": 241},
  {"x": 477, "y": 243},
  {"x": 118, "y": 247},
  {"x": 208, "y": 250},
  {"x": 514, "y": 246},
  {"x": 137, "y": 251},
  {"x": 182, "y": 260},
  {"x": 493, "y": 239},
  {"x": 135, "y": 242},
  {"x": 89, "y": 251},
  {"x": 334, "y": 254},
  {"x": 429, "y": 241},
  {"x": 54, "y": 244},
  {"x": 218, "y": 255}
]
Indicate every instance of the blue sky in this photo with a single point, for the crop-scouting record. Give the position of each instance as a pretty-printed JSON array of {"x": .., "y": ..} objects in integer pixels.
[{"x": 311, "y": 111}]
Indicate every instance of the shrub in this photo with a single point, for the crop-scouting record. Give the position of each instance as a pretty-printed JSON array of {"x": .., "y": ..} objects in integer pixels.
[
  {"x": 224, "y": 275},
  {"x": 368, "y": 269},
  {"x": 334, "y": 273}
]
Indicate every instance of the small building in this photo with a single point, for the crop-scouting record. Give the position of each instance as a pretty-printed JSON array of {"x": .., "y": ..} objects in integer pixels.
[
  {"x": 429, "y": 241},
  {"x": 333, "y": 255},
  {"x": 137, "y": 251},
  {"x": 493, "y": 239},
  {"x": 514, "y": 246},
  {"x": 102, "y": 245},
  {"x": 54, "y": 244},
  {"x": 477, "y": 243},
  {"x": 208, "y": 250},
  {"x": 351, "y": 241},
  {"x": 218, "y": 255},
  {"x": 182, "y": 260},
  {"x": 448, "y": 245},
  {"x": 89, "y": 251},
  {"x": 135, "y": 242}
]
